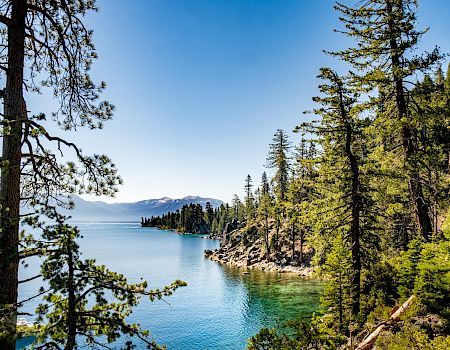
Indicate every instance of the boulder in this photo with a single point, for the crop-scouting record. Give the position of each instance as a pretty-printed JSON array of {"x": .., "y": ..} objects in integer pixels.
[{"x": 432, "y": 323}]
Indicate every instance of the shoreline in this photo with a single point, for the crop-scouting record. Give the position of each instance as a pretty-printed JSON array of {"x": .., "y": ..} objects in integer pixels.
[{"x": 222, "y": 258}]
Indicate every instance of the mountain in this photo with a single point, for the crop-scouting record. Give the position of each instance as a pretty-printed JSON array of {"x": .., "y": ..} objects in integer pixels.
[{"x": 131, "y": 212}]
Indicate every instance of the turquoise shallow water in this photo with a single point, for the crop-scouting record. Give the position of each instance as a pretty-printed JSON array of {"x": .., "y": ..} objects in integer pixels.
[{"x": 219, "y": 309}]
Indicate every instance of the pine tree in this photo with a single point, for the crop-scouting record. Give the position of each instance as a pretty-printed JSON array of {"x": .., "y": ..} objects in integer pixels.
[
  {"x": 447, "y": 78},
  {"x": 338, "y": 268},
  {"x": 257, "y": 196},
  {"x": 76, "y": 306},
  {"x": 301, "y": 193},
  {"x": 263, "y": 217},
  {"x": 209, "y": 213},
  {"x": 264, "y": 184},
  {"x": 340, "y": 134},
  {"x": 385, "y": 36},
  {"x": 237, "y": 207},
  {"x": 431, "y": 118},
  {"x": 277, "y": 214},
  {"x": 46, "y": 45},
  {"x": 249, "y": 199},
  {"x": 278, "y": 159}
]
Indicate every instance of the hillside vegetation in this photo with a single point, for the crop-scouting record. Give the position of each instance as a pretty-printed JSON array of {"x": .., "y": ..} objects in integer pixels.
[{"x": 362, "y": 195}]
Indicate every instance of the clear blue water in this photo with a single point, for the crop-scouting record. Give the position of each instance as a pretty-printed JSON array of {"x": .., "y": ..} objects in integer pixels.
[{"x": 219, "y": 309}]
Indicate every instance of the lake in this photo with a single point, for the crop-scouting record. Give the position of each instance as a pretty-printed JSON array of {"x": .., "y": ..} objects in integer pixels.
[{"x": 219, "y": 309}]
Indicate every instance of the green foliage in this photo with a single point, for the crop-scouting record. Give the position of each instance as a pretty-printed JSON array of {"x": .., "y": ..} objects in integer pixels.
[
  {"x": 191, "y": 219},
  {"x": 381, "y": 172},
  {"x": 372, "y": 190},
  {"x": 432, "y": 284},
  {"x": 424, "y": 270},
  {"x": 406, "y": 265},
  {"x": 263, "y": 214},
  {"x": 278, "y": 159},
  {"x": 297, "y": 335},
  {"x": 412, "y": 337},
  {"x": 87, "y": 303},
  {"x": 379, "y": 288},
  {"x": 336, "y": 299},
  {"x": 238, "y": 208},
  {"x": 52, "y": 51},
  {"x": 249, "y": 199}
]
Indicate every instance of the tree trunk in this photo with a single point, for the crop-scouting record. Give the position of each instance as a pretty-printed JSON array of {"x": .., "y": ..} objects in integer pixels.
[
  {"x": 355, "y": 238},
  {"x": 302, "y": 234},
  {"x": 369, "y": 342},
  {"x": 356, "y": 212},
  {"x": 267, "y": 240},
  {"x": 71, "y": 311},
  {"x": 277, "y": 228},
  {"x": 10, "y": 173},
  {"x": 293, "y": 241},
  {"x": 341, "y": 319},
  {"x": 421, "y": 207}
]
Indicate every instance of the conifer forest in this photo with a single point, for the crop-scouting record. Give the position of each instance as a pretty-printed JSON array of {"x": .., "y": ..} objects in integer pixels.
[{"x": 357, "y": 197}]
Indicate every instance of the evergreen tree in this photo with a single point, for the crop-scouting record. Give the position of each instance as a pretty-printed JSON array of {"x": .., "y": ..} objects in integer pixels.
[
  {"x": 338, "y": 268},
  {"x": 191, "y": 219},
  {"x": 249, "y": 199},
  {"x": 278, "y": 159},
  {"x": 209, "y": 213},
  {"x": 46, "y": 44},
  {"x": 69, "y": 311},
  {"x": 385, "y": 36},
  {"x": 340, "y": 134},
  {"x": 223, "y": 217},
  {"x": 301, "y": 192},
  {"x": 236, "y": 204},
  {"x": 447, "y": 78},
  {"x": 264, "y": 183},
  {"x": 263, "y": 217},
  {"x": 257, "y": 196},
  {"x": 277, "y": 214}
]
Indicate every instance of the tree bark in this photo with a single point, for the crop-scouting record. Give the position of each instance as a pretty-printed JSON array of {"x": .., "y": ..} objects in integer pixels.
[
  {"x": 355, "y": 234},
  {"x": 369, "y": 342},
  {"x": 293, "y": 241},
  {"x": 355, "y": 227},
  {"x": 71, "y": 312},
  {"x": 10, "y": 174},
  {"x": 277, "y": 230},
  {"x": 341, "y": 318},
  {"x": 267, "y": 239},
  {"x": 302, "y": 234}
]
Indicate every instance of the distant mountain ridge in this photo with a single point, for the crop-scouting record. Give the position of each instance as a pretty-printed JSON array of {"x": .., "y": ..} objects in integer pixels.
[{"x": 131, "y": 212}]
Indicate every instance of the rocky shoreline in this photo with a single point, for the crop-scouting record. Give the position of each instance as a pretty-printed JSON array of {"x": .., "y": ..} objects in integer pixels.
[
  {"x": 243, "y": 246},
  {"x": 222, "y": 258}
]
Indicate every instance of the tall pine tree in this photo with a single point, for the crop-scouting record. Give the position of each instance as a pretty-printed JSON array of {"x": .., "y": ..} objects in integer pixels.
[{"x": 385, "y": 36}]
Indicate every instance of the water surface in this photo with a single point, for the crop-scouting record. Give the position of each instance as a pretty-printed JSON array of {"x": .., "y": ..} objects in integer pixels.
[{"x": 219, "y": 309}]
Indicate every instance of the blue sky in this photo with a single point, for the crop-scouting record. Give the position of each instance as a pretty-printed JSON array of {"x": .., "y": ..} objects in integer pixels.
[{"x": 200, "y": 86}]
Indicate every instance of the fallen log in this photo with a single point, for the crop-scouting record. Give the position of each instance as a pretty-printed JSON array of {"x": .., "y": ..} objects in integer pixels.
[{"x": 369, "y": 342}]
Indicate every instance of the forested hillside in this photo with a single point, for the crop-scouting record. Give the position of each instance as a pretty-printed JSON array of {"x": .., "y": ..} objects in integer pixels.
[
  {"x": 190, "y": 219},
  {"x": 365, "y": 188}
]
